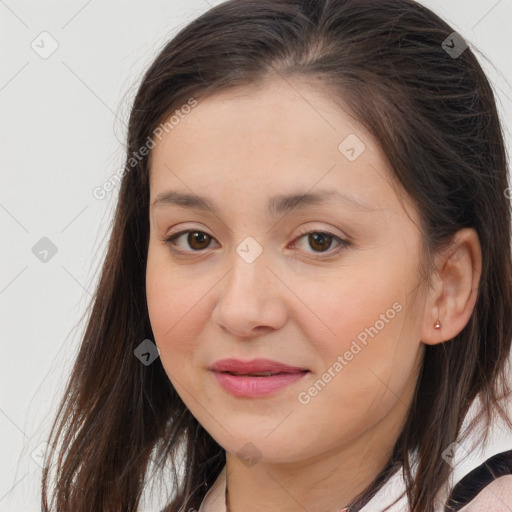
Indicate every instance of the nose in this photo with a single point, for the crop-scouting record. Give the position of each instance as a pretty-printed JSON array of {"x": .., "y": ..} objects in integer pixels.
[{"x": 250, "y": 300}]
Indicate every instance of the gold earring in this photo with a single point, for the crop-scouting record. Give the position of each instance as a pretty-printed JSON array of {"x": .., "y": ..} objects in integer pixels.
[{"x": 437, "y": 325}]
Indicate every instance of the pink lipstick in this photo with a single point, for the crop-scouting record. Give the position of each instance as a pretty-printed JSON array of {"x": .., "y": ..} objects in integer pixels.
[{"x": 256, "y": 378}]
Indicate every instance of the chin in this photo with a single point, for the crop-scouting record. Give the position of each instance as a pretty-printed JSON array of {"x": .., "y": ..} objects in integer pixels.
[{"x": 262, "y": 448}]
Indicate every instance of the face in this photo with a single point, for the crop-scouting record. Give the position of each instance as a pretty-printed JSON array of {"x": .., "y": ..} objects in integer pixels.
[{"x": 323, "y": 285}]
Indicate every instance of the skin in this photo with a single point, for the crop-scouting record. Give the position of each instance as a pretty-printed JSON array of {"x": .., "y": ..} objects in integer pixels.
[
  {"x": 496, "y": 496},
  {"x": 238, "y": 149}
]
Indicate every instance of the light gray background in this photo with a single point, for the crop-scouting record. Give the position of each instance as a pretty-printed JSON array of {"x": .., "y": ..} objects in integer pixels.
[{"x": 62, "y": 134}]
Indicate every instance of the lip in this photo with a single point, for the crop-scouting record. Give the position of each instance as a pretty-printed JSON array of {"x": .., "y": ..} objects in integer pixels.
[
  {"x": 254, "y": 366},
  {"x": 243, "y": 385}
]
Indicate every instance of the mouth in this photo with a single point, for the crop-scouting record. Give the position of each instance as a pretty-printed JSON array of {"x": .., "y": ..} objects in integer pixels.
[{"x": 256, "y": 378}]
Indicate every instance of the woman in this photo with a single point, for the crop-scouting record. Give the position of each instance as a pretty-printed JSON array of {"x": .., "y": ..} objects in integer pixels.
[{"x": 313, "y": 227}]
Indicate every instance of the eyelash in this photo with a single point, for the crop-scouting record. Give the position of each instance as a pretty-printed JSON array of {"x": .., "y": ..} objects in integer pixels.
[{"x": 342, "y": 243}]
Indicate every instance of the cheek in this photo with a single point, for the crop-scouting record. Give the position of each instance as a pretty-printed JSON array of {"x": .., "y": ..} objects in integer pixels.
[
  {"x": 368, "y": 346},
  {"x": 359, "y": 307},
  {"x": 174, "y": 311}
]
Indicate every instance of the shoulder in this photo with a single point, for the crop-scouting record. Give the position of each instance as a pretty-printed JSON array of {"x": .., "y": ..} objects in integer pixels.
[
  {"x": 488, "y": 487},
  {"x": 497, "y": 496}
]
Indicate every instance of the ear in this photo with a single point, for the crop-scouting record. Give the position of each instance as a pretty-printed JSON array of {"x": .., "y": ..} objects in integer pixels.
[{"x": 453, "y": 294}]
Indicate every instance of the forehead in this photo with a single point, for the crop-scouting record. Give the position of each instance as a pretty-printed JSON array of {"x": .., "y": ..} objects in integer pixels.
[
  {"x": 274, "y": 137},
  {"x": 285, "y": 114}
]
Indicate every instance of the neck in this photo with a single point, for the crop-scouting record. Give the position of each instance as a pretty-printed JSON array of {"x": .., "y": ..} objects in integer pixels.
[{"x": 328, "y": 482}]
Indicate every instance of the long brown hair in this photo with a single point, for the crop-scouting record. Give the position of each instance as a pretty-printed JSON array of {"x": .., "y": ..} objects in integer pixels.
[{"x": 435, "y": 118}]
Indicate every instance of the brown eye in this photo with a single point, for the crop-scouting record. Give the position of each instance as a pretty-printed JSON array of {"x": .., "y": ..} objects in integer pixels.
[
  {"x": 320, "y": 241},
  {"x": 195, "y": 240}
]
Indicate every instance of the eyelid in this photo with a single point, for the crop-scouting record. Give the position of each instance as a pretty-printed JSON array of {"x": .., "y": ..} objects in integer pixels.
[
  {"x": 169, "y": 240},
  {"x": 342, "y": 242}
]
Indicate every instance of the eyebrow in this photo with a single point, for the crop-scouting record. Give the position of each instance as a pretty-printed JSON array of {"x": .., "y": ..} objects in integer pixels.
[{"x": 276, "y": 204}]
